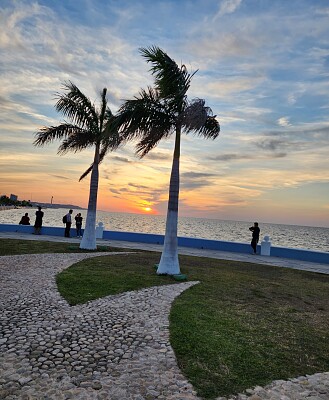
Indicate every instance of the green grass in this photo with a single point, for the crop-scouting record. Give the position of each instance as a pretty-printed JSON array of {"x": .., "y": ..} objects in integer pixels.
[
  {"x": 247, "y": 325},
  {"x": 243, "y": 325},
  {"x": 15, "y": 246},
  {"x": 102, "y": 276}
]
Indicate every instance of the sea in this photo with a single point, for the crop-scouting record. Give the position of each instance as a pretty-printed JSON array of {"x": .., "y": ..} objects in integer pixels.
[{"x": 293, "y": 236}]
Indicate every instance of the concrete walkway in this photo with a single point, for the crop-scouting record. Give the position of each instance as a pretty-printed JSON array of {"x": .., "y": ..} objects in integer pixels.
[{"x": 221, "y": 255}]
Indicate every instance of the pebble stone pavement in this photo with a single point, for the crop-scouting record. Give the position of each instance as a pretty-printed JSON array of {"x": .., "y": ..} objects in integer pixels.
[{"x": 112, "y": 348}]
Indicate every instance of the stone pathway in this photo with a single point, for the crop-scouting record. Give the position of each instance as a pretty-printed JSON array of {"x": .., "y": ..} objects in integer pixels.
[{"x": 111, "y": 348}]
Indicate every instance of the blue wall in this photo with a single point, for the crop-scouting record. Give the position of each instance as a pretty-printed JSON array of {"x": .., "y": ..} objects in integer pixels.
[
  {"x": 45, "y": 230},
  {"x": 234, "y": 247}
]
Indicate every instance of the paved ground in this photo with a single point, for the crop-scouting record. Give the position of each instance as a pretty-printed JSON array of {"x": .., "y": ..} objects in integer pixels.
[
  {"x": 112, "y": 348},
  {"x": 222, "y": 255}
]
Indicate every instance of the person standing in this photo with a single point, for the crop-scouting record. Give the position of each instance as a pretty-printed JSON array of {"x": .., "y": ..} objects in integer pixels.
[
  {"x": 255, "y": 236},
  {"x": 78, "y": 224},
  {"x": 68, "y": 223},
  {"x": 25, "y": 220},
  {"x": 38, "y": 221}
]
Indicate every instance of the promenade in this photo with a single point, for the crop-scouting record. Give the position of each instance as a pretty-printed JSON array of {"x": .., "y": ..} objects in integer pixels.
[
  {"x": 222, "y": 255},
  {"x": 112, "y": 348}
]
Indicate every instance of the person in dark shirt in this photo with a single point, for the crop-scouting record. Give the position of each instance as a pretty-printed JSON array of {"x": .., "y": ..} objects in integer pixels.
[
  {"x": 25, "y": 220},
  {"x": 38, "y": 221},
  {"x": 78, "y": 224},
  {"x": 255, "y": 236},
  {"x": 68, "y": 223}
]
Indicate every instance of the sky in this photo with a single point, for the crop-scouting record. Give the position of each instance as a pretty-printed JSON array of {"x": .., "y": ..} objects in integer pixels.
[{"x": 262, "y": 66}]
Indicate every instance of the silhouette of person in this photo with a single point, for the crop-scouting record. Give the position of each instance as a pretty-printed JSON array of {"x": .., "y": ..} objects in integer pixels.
[
  {"x": 78, "y": 224},
  {"x": 255, "y": 236},
  {"x": 68, "y": 223},
  {"x": 38, "y": 221},
  {"x": 25, "y": 220}
]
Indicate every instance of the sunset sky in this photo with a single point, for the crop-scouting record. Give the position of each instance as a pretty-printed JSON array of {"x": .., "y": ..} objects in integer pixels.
[{"x": 263, "y": 68}]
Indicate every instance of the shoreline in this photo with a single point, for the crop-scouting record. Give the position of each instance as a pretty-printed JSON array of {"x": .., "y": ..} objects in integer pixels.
[{"x": 4, "y": 208}]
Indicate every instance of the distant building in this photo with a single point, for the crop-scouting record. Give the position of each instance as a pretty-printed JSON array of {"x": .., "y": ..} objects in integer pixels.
[{"x": 13, "y": 197}]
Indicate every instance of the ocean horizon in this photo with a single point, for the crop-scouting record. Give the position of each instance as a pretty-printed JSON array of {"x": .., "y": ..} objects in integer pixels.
[{"x": 282, "y": 235}]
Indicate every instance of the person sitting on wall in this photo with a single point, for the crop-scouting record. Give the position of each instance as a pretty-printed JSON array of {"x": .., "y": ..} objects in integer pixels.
[{"x": 25, "y": 220}]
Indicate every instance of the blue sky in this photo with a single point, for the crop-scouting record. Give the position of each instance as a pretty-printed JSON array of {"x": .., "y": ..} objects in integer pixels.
[{"x": 263, "y": 68}]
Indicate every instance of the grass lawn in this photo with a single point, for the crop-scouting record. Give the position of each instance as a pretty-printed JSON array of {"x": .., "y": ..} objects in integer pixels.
[
  {"x": 15, "y": 246},
  {"x": 101, "y": 276},
  {"x": 243, "y": 325}
]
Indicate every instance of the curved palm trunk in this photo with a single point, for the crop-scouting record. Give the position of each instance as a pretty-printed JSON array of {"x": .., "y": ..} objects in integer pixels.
[
  {"x": 169, "y": 263},
  {"x": 88, "y": 241}
]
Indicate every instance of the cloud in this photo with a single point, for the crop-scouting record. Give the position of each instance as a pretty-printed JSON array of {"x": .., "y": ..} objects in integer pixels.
[
  {"x": 121, "y": 159},
  {"x": 115, "y": 191},
  {"x": 60, "y": 177},
  {"x": 195, "y": 180},
  {"x": 158, "y": 156},
  {"x": 283, "y": 121},
  {"x": 245, "y": 157},
  {"x": 10, "y": 35},
  {"x": 231, "y": 157},
  {"x": 227, "y": 7},
  {"x": 138, "y": 187},
  {"x": 270, "y": 144}
]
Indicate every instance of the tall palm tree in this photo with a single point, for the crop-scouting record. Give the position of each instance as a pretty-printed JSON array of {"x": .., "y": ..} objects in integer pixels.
[
  {"x": 89, "y": 127},
  {"x": 157, "y": 113}
]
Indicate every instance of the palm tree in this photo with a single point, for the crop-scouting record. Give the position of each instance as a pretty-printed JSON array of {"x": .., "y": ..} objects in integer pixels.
[
  {"x": 89, "y": 127},
  {"x": 157, "y": 113}
]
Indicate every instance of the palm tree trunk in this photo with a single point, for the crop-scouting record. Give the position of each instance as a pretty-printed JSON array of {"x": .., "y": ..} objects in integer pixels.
[
  {"x": 169, "y": 263},
  {"x": 88, "y": 241}
]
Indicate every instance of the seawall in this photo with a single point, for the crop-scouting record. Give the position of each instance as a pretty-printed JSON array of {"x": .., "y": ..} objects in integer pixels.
[{"x": 220, "y": 245}]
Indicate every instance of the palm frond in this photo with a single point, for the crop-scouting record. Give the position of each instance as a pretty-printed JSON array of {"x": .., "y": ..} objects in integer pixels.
[
  {"x": 110, "y": 135},
  {"x": 170, "y": 80},
  {"x": 108, "y": 144},
  {"x": 143, "y": 115},
  {"x": 108, "y": 115},
  {"x": 198, "y": 118},
  {"x": 86, "y": 172},
  {"x": 111, "y": 138},
  {"x": 211, "y": 128},
  {"x": 48, "y": 134},
  {"x": 79, "y": 140},
  {"x": 151, "y": 140},
  {"x": 195, "y": 115},
  {"x": 77, "y": 107}
]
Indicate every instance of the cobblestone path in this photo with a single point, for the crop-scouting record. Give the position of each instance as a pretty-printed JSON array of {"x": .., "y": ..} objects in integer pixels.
[{"x": 112, "y": 348}]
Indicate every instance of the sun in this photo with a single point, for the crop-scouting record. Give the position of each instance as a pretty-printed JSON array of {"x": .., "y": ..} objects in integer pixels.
[{"x": 147, "y": 209}]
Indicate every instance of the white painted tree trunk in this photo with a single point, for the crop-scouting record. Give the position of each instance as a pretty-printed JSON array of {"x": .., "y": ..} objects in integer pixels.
[
  {"x": 88, "y": 241},
  {"x": 169, "y": 263}
]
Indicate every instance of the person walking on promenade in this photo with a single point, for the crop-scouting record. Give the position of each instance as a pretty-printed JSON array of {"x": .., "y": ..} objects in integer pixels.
[
  {"x": 38, "y": 221},
  {"x": 25, "y": 220},
  {"x": 68, "y": 223},
  {"x": 255, "y": 236},
  {"x": 78, "y": 224}
]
